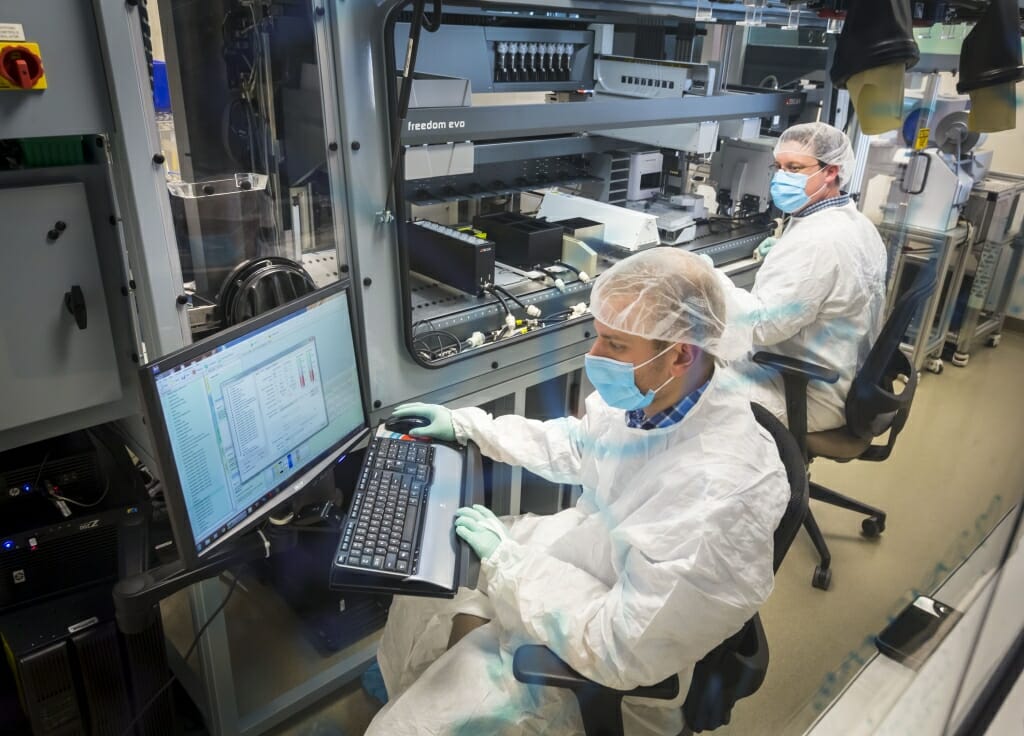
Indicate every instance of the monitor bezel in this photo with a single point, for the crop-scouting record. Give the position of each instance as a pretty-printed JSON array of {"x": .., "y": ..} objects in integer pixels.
[{"x": 181, "y": 525}]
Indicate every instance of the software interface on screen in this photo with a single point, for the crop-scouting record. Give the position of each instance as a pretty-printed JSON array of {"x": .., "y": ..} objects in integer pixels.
[{"x": 249, "y": 419}]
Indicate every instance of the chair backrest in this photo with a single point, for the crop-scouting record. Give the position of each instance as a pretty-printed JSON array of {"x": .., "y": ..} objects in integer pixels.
[
  {"x": 872, "y": 405},
  {"x": 736, "y": 668},
  {"x": 796, "y": 473}
]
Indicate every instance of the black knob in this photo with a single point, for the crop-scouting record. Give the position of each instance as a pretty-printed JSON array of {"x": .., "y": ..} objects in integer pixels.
[
  {"x": 208, "y": 189},
  {"x": 333, "y": 146},
  {"x": 158, "y": 158},
  {"x": 377, "y": 404},
  {"x": 53, "y": 234},
  {"x": 367, "y": 281},
  {"x": 74, "y": 302},
  {"x": 494, "y": 365},
  {"x": 355, "y": 145},
  {"x": 182, "y": 299},
  {"x": 60, "y": 225}
]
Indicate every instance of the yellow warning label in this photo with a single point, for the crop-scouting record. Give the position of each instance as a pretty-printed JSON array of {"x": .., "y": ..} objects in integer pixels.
[
  {"x": 921, "y": 142},
  {"x": 14, "y": 76}
]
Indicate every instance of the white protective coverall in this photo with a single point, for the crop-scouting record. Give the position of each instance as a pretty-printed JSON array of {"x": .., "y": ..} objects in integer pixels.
[
  {"x": 667, "y": 553},
  {"x": 819, "y": 296}
]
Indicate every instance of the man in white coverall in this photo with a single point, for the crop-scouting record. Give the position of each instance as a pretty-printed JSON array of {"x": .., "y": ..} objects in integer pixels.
[
  {"x": 819, "y": 295},
  {"x": 667, "y": 553}
]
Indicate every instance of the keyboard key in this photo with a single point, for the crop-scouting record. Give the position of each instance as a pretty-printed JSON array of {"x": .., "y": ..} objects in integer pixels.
[
  {"x": 402, "y": 566},
  {"x": 389, "y": 562},
  {"x": 405, "y": 546},
  {"x": 403, "y": 555},
  {"x": 378, "y": 561},
  {"x": 366, "y": 560}
]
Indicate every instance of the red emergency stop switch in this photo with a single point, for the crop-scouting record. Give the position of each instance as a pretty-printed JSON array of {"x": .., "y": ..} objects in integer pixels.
[{"x": 21, "y": 66}]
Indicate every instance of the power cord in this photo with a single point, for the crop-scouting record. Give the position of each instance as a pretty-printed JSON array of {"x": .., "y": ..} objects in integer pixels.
[{"x": 188, "y": 653}]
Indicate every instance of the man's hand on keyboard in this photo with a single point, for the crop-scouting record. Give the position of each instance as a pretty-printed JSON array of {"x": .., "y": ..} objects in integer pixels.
[
  {"x": 481, "y": 529},
  {"x": 440, "y": 427}
]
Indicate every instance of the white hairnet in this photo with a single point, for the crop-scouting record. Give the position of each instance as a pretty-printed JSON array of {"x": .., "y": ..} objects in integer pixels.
[
  {"x": 670, "y": 295},
  {"x": 824, "y": 142}
]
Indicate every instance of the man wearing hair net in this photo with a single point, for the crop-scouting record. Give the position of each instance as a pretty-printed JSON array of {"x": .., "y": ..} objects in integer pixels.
[
  {"x": 820, "y": 293},
  {"x": 667, "y": 553}
]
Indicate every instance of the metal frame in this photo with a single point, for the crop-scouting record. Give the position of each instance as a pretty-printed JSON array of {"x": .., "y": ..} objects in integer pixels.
[
  {"x": 144, "y": 211},
  {"x": 506, "y": 121},
  {"x": 947, "y": 253},
  {"x": 360, "y": 71}
]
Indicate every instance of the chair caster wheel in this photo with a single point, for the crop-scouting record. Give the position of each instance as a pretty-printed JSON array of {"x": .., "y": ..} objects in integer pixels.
[
  {"x": 994, "y": 340},
  {"x": 872, "y": 527},
  {"x": 934, "y": 365},
  {"x": 822, "y": 578},
  {"x": 960, "y": 359}
]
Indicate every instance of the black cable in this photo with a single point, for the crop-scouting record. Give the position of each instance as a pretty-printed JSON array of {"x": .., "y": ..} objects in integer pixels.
[
  {"x": 563, "y": 264},
  {"x": 188, "y": 653},
  {"x": 492, "y": 290},
  {"x": 420, "y": 343},
  {"x": 419, "y": 21},
  {"x": 510, "y": 295}
]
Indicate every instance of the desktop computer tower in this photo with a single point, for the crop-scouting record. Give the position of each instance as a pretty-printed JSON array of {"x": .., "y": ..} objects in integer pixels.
[{"x": 77, "y": 674}]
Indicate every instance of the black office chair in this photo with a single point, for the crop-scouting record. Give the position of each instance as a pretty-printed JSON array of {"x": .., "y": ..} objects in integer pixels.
[
  {"x": 873, "y": 407},
  {"x": 734, "y": 669}
]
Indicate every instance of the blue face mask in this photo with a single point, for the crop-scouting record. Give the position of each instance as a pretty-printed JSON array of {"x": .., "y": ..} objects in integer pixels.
[
  {"x": 614, "y": 381},
  {"x": 788, "y": 190}
]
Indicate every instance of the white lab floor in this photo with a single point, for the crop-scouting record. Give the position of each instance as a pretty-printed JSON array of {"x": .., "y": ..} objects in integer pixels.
[{"x": 957, "y": 468}]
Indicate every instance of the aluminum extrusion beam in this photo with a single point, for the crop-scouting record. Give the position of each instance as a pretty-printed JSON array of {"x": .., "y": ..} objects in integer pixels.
[{"x": 443, "y": 125}]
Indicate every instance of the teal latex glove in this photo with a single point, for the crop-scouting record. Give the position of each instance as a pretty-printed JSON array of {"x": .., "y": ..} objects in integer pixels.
[
  {"x": 440, "y": 427},
  {"x": 763, "y": 247},
  {"x": 481, "y": 529}
]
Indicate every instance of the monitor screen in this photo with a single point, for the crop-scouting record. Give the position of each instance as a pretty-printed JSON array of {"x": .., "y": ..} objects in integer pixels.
[{"x": 250, "y": 416}]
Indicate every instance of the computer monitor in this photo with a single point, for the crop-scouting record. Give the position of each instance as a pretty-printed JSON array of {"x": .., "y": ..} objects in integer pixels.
[{"x": 245, "y": 419}]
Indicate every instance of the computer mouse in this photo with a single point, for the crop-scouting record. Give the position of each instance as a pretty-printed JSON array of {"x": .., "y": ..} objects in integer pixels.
[{"x": 403, "y": 425}]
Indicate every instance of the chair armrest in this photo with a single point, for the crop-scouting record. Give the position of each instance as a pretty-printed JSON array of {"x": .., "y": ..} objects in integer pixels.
[
  {"x": 795, "y": 367},
  {"x": 535, "y": 664}
]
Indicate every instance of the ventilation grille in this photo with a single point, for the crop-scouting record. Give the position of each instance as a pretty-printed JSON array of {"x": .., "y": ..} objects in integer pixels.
[
  {"x": 103, "y": 680},
  {"x": 50, "y": 692}
]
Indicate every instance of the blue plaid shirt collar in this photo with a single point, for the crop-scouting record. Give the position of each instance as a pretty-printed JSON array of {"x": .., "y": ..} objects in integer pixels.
[
  {"x": 636, "y": 419},
  {"x": 840, "y": 201}
]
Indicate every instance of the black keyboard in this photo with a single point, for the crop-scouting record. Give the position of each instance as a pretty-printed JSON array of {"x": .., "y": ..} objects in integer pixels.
[{"x": 382, "y": 532}]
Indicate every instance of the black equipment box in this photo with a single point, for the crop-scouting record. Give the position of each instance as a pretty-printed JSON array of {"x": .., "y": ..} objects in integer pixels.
[
  {"x": 520, "y": 240},
  {"x": 77, "y": 674},
  {"x": 589, "y": 231},
  {"x": 455, "y": 258},
  {"x": 65, "y": 503}
]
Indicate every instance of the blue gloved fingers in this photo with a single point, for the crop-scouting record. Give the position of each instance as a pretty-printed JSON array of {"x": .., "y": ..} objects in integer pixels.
[
  {"x": 468, "y": 512},
  {"x": 414, "y": 408},
  {"x": 484, "y": 510},
  {"x": 464, "y": 522}
]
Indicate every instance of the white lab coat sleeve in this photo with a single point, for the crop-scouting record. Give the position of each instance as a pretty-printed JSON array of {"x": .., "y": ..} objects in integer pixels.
[
  {"x": 789, "y": 289},
  {"x": 550, "y": 449},
  {"x": 658, "y": 619}
]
